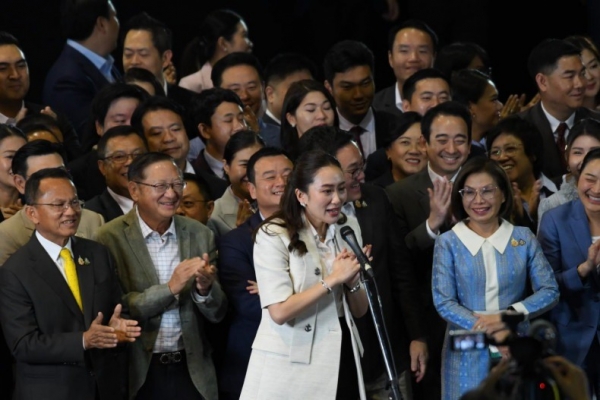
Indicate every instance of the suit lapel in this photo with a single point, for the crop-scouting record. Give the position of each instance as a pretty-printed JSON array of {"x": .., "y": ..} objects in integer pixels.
[
  {"x": 421, "y": 185},
  {"x": 88, "y": 67},
  {"x": 137, "y": 246},
  {"x": 580, "y": 229},
  {"x": 85, "y": 274},
  {"x": 311, "y": 258},
  {"x": 183, "y": 237}
]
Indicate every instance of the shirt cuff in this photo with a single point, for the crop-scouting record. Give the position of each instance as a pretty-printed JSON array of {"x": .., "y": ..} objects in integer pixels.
[
  {"x": 519, "y": 307},
  {"x": 198, "y": 298},
  {"x": 431, "y": 233},
  {"x": 83, "y": 342}
]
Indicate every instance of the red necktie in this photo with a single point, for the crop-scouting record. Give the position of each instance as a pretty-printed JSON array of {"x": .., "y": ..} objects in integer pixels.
[
  {"x": 561, "y": 143},
  {"x": 356, "y": 131}
]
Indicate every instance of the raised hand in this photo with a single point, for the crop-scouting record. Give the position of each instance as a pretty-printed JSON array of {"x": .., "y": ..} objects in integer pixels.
[
  {"x": 126, "y": 329},
  {"x": 439, "y": 203},
  {"x": 345, "y": 268},
  {"x": 251, "y": 119},
  {"x": 206, "y": 275},
  {"x": 244, "y": 212},
  {"x": 99, "y": 336},
  {"x": 185, "y": 271},
  {"x": 512, "y": 105}
]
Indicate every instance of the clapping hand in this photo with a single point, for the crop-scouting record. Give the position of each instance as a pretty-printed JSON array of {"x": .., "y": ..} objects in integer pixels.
[{"x": 126, "y": 329}]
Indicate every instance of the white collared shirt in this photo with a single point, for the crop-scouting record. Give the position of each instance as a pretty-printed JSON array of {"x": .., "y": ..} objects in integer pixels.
[
  {"x": 103, "y": 64},
  {"x": 555, "y": 122},
  {"x": 53, "y": 251},
  {"x": 348, "y": 209},
  {"x": 270, "y": 114},
  {"x": 188, "y": 168},
  {"x": 398, "y": 98},
  {"x": 125, "y": 204},
  {"x": 215, "y": 165},
  {"x": 10, "y": 121},
  {"x": 367, "y": 139}
]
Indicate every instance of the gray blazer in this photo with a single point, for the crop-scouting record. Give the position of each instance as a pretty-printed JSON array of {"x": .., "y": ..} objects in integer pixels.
[
  {"x": 147, "y": 298},
  {"x": 225, "y": 212}
]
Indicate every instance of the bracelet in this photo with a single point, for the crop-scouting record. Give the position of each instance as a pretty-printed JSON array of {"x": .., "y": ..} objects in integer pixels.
[
  {"x": 326, "y": 286},
  {"x": 355, "y": 288}
]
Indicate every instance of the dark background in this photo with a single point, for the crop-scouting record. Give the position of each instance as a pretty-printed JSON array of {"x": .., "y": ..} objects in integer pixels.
[{"x": 507, "y": 29}]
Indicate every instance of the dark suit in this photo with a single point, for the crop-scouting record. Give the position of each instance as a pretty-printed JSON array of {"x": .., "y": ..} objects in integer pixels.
[
  {"x": 44, "y": 326},
  {"x": 385, "y": 100},
  {"x": 395, "y": 281},
  {"x": 183, "y": 97},
  {"x": 217, "y": 186},
  {"x": 377, "y": 163},
  {"x": 236, "y": 267},
  {"x": 270, "y": 133},
  {"x": 105, "y": 205},
  {"x": 87, "y": 177},
  {"x": 410, "y": 200},
  {"x": 71, "y": 84},
  {"x": 552, "y": 166}
]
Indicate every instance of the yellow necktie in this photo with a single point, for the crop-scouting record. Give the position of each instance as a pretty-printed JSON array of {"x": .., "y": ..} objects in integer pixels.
[{"x": 71, "y": 272}]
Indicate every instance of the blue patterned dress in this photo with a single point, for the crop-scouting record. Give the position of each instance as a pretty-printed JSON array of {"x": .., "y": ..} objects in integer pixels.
[{"x": 485, "y": 275}]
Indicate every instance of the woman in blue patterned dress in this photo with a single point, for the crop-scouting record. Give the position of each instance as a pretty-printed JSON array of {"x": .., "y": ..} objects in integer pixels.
[{"x": 481, "y": 268}]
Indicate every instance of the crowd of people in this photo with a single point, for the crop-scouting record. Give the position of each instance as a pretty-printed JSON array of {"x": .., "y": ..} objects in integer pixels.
[{"x": 181, "y": 239}]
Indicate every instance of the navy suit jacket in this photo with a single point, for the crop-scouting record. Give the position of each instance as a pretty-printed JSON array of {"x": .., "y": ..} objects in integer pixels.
[
  {"x": 105, "y": 205},
  {"x": 385, "y": 100},
  {"x": 565, "y": 237},
  {"x": 71, "y": 84},
  {"x": 236, "y": 267}
]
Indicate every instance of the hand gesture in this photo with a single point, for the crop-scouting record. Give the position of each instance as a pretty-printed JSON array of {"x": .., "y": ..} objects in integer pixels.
[
  {"x": 251, "y": 119},
  {"x": 485, "y": 322},
  {"x": 534, "y": 199},
  {"x": 570, "y": 378},
  {"x": 21, "y": 114},
  {"x": 170, "y": 74},
  {"x": 532, "y": 102},
  {"x": 512, "y": 105},
  {"x": 593, "y": 259},
  {"x": 49, "y": 112},
  {"x": 126, "y": 329},
  {"x": 252, "y": 287},
  {"x": 99, "y": 336},
  {"x": 345, "y": 268},
  {"x": 439, "y": 203},
  {"x": 244, "y": 212},
  {"x": 12, "y": 209},
  {"x": 206, "y": 275},
  {"x": 183, "y": 273},
  {"x": 418, "y": 358}
]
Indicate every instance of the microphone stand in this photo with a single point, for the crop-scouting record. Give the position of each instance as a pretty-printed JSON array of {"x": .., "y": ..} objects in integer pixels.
[{"x": 384, "y": 341}]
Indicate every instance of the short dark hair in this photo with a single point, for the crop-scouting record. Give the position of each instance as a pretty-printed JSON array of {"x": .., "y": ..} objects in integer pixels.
[
  {"x": 203, "y": 105},
  {"x": 329, "y": 139},
  {"x": 283, "y": 65},
  {"x": 585, "y": 127},
  {"x": 583, "y": 43},
  {"x": 78, "y": 17},
  {"x": 137, "y": 169},
  {"x": 32, "y": 186},
  {"x": 203, "y": 186},
  {"x": 481, "y": 165},
  {"x": 457, "y": 56},
  {"x": 136, "y": 74},
  {"x": 155, "y": 103},
  {"x": 262, "y": 153},
  {"x": 412, "y": 24},
  {"x": 468, "y": 86},
  {"x": 544, "y": 57},
  {"x": 239, "y": 141},
  {"x": 7, "y": 39},
  {"x": 527, "y": 133},
  {"x": 162, "y": 38},
  {"x": 32, "y": 149},
  {"x": 39, "y": 122},
  {"x": 109, "y": 93},
  {"x": 233, "y": 60},
  {"x": 116, "y": 131},
  {"x": 592, "y": 155},
  {"x": 410, "y": 84},
  {"x": 404, "y": 122},
  {"x": 345, "y": 55},
  {"x": 450, "y": 108}
]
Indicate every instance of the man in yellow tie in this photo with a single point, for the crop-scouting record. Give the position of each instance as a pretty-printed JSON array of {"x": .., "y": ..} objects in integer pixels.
[{"x": 59, "y": 303}]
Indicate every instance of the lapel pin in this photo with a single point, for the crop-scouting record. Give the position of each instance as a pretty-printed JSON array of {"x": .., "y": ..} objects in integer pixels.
[
  {"x": 513, "y": 242},
  {"x": 87, "y": 262},
  {"x": 80, "y": 260},
  {"x": 317, "y": 271},
  {"x": 521, "y": 242}
]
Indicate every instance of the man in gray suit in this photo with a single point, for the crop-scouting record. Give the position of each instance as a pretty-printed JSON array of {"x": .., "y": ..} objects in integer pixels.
[{"x": 166, "y": 264}]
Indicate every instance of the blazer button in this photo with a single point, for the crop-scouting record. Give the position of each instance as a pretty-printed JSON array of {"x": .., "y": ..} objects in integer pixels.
[
  {"x": 308, "y": 328},
  {"x": 317, "y": 271}
]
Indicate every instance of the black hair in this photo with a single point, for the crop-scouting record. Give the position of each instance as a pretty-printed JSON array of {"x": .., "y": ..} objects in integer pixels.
[
  {"x": 544, "y": 57},
  {"x": 136, "y": 74},
  {"x": 239, "y": 141},
  {"x": 203, "y": 105},
  {"x": 345, "y": 55},
  {"x": 219, "y": 23},
  {"x": 40, "y": 122},
  {"x": 32, "y": 186},
  {"x": 468, "y": 86},
  {"x": 32, "y": 149},
  {"x": 116, "y": 131},
  {"x": 262, "y": 153},
  {"x": 162, "y": 38},
  {"x": 7, "y": 39},
  {"x": 459, "y": 55},
  {"x": 329, "y": 139},
  {"x": 203, "y": 186},
  {"x": 290, "y": 214},
  {"x": 527, "y": 133},
  {"x": 294, "y": 96},
  {"x": 592, "y": 155},
  {"x": 583, "y": 43},
  {"x": 585, "y": 127},
  {"x": 233, "y": 60},
  {"x": 481, "y": 165},
  {"x": 450, "y": 108},
  {"x": 404, "y": 122},
  {"x": 410, "y": 84},
  {"x": 283, "y": 65},
  {"x": 7, "y": 131},
  {"x": 137, "y": 169},
  {"x": 110, "y": 93},
  {"x": 78, "y": 17},
  {"x": 153, "y": 104},
  {"x": 412, "y": 24}
]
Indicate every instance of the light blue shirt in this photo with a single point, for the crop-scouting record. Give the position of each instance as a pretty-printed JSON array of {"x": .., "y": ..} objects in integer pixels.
[{"x": 103, "y": 64}]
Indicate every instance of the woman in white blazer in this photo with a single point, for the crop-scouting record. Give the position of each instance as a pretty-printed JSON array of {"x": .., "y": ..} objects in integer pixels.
[{"x": 307, "y": 346}]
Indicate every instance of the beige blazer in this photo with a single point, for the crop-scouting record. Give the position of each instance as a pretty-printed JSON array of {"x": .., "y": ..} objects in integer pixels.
[
  {"x": 300, "y": 358},
  {"x": 225, "y": 211},
  {"x": 16, "y": 231}
]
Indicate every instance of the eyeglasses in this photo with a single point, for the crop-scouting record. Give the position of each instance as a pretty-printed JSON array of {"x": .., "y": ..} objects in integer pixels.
[
  {"x": 509, "y": 150},
  {"x": 161, "y": 188},
  {"x": 121, "y": 158},
  {"x": 75, "y": 204},
  {"x": 188, "y": 204},
  {"x": 486, "y": 193},
  {"x": 356, "y": 171}
]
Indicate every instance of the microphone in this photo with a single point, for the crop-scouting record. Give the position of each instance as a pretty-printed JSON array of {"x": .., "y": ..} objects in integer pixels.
[{"x": 350, "y": 238}]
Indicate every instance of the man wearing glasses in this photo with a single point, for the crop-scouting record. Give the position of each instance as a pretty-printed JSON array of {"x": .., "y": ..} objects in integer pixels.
[
  {"x": 166, "y": 264},
  {"x": 16, "y": 231},
  {"x": 117, "y": 149}
]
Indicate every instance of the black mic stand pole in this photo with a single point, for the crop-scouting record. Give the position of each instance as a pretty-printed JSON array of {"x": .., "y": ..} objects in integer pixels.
[{"x": 382, "y": 335}]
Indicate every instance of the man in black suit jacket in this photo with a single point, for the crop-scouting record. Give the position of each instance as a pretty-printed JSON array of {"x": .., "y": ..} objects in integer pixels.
[
  {"x": 85, "y": 64},
  {"x": 117, "y": 148},
  {"x": 556, "y": 67},
  {"x": 60, "y": 312},
  {"x": 411, "y": 47}
]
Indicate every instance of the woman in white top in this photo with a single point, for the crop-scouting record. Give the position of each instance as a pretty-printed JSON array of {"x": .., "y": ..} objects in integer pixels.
[
  {"x": 307, "y": 346},
  {"x": 222, "y": 32}
]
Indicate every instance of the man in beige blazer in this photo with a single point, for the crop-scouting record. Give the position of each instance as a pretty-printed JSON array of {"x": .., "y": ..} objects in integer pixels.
[{"x": 16, "y": 231}]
